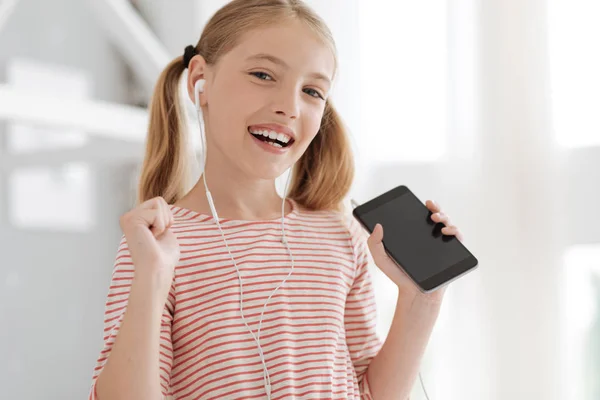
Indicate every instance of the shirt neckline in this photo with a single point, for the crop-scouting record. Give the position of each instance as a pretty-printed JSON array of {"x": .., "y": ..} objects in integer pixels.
[{"x": 206, "y": 217}]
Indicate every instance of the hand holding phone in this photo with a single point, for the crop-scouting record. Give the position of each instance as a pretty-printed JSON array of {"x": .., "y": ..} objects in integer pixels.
[{"x": 412, "y": 248}]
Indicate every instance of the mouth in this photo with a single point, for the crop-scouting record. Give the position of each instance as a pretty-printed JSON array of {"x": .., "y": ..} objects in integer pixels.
[{"x": 271, "y": 137}]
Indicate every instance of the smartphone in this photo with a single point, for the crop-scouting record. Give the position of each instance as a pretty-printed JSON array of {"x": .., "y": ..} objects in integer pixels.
[{"x": 414, "y": 241}]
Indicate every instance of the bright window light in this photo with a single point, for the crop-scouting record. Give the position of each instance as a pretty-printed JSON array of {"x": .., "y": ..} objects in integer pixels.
[
  {"x": 41, "y": 79},
  {"x": 403, "y": 79},
  {"x": 58, "y": 199},
  {"x": 575, "y": 71}
]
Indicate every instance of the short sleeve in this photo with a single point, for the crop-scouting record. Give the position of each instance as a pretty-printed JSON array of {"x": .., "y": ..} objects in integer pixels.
[
  {"x": 116, "y": 304},
  {"x": 360, "y": 317}
]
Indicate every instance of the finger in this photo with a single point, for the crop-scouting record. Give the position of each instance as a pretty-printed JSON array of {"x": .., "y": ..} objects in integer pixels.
[
  {"x": 147, "y": 217},
  {"x": 154, "y": 221},
  {"x": 450, "y": 231},
  {"x": 375, "y": 243},
  {"x": 164, "y": 213},
  {"x": 441, "y": 218},
  {"x": 433, "y": 206},
  {"x": 158, "y": 230},
  {"x": 167, "y": 215},
  {"x": 151, "y": 204},
  {"x": 171, "y": 218},
  {"x": 376, "y": 236},
  {"x": 455, "y": 232}
]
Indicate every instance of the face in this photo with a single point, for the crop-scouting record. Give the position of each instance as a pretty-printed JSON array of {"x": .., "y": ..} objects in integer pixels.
[{"x": 263, "y": 101}]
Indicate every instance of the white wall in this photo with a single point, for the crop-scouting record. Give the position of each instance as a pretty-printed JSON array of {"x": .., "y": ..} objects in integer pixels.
[{"x": 52, "y": 283}]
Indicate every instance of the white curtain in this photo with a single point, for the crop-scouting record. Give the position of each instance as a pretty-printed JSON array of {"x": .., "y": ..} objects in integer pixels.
[{"x": 458, "y": 100}]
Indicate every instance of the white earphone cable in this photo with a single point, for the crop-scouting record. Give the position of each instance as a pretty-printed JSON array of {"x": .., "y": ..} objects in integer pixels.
[
  {"x": 284, "y": 240},
  {"x": 423, "y": 386}
]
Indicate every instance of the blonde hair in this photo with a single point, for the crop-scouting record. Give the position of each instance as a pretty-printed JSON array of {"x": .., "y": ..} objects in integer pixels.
[{"x": 321, "y": 178}]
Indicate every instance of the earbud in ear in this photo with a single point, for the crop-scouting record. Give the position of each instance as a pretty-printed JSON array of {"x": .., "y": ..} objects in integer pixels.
[{"x": 198, "y": 88}]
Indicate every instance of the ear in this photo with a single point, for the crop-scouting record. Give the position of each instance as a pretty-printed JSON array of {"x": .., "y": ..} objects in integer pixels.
[{"x": 196, "y": 70}]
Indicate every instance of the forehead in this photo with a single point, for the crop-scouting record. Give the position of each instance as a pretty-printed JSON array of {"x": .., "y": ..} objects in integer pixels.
[{"x": 294, "y": 43}]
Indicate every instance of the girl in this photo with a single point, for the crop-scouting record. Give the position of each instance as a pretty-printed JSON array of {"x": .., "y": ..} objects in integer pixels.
[{"x": 269, "y": 298}]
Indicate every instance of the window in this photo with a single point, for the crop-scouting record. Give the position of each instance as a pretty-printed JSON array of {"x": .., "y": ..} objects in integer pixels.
[
  {"x": 575, "y": 71},
  {"x": 403, "y": 80},
  {"x": 52, "y": 198},
  {"x": 48, "y": 197}
]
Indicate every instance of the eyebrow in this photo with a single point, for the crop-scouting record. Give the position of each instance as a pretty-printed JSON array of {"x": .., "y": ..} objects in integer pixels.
[{"x": 283, "y": 64}]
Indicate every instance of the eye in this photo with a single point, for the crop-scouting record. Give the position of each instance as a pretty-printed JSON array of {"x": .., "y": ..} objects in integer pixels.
[
  {"x": 263, "y": 76},
  {"x": 314, "y": 93}
]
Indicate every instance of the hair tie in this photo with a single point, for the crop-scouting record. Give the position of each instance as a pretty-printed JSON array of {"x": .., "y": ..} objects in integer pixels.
[{"x": 189, "y": 52}]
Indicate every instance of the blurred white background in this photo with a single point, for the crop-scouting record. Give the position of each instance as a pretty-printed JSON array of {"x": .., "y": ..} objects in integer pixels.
[{"x": 490, "y": 107}]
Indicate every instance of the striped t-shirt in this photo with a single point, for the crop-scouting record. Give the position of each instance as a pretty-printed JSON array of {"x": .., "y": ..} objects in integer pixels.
[{"x": 319, "y": 329}]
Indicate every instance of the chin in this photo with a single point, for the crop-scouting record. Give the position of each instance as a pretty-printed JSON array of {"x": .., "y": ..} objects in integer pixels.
[
  {"x": 268, "y": 172},
  {"x": 273, "y": 174}
]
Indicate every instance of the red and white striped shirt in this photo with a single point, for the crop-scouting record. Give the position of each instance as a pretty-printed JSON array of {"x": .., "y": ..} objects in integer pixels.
[{"x": 319, "y": 329}]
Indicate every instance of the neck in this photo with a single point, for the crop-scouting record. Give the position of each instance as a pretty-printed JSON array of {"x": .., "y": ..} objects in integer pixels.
[{"x": 235, "y": 195}]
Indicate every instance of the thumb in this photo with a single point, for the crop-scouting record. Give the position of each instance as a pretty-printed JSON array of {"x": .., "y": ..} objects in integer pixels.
[{"x": 375, "y": 243}]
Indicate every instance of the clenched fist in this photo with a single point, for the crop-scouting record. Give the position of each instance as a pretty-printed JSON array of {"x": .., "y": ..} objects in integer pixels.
[{"x": 153, "y": 246}]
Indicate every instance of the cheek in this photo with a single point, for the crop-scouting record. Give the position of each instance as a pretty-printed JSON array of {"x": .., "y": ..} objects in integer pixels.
[
  {"x": 230, "y": 111},
  {"x": 310, "y": 129},
  {"x": 313, "y": 122},
  {"x": 238, "y": 103}
]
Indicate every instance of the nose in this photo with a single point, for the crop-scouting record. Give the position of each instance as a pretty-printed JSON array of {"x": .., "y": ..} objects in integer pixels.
[{"x": 287, "y": 104}]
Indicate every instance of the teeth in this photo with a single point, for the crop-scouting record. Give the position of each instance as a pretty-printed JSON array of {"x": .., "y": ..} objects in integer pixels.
[
  {"x": 282, "y": 137},
  {"x": 276, "y": 145}
]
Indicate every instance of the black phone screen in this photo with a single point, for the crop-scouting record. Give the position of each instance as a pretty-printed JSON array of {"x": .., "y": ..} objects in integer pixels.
[{"x": 413, "y": 239}]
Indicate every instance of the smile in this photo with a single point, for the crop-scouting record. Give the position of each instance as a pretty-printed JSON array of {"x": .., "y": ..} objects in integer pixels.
[{"x": 275, "y": 139}]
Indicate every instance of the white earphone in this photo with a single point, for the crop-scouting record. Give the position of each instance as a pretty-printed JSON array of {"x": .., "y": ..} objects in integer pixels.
[{"x": 198, "y": 89}]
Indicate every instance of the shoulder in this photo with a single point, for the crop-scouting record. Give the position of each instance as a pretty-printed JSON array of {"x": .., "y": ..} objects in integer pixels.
[{"x": 186, "y": 217}]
